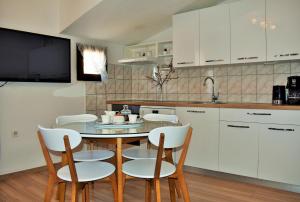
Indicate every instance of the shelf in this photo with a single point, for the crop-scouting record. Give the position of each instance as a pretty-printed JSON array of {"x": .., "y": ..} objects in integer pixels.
[{"x": 167, "y": 55}]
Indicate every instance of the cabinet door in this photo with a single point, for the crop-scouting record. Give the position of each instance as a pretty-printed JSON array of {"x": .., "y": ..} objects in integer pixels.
[
  {"x": 239, "y": 148},
  {"x": 203, "y": 149},
  {"x": 186, "y": 39},
  {"x": 279, "y": 150},
  {"x": 248, "y": 41},
  {"x": 283, "y": 29},
  {"x": 215, "y": 35}
]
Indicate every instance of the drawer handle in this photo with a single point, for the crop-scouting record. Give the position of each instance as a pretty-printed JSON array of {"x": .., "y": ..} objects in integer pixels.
[
  {"x": 218, "y": 60},
  {"x": 234, "y": 126},
  {"x": 184, "y": 63},
  {"x": 259, "y": 114},
  {"x": 155, "y": 112},
  {"x": 195, "y": 111},
  {"x": 282, "y": 129},
  {"x": 287, "y": 54},
  {"x": 248, "y": 58}
]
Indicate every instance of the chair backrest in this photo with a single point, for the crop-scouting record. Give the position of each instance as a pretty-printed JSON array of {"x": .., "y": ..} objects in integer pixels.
[
  {"x": 174, "y": 136},
  {"x": 61, "y": 120},
  {"x": 54, "y": 138},
  {"x": 161, "y": 117}
]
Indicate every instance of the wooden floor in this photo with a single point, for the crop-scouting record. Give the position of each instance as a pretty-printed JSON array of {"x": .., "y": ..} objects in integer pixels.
[{"x": 30, "y": 187}]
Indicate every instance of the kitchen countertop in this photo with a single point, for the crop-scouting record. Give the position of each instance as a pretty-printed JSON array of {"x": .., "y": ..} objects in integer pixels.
[{"x": 208, "y": 105}]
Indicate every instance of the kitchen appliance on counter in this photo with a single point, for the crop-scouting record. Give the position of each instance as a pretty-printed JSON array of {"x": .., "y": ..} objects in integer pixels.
[
  {"x": 279, "y": 95},
  {"x": 293, "y": 87}
]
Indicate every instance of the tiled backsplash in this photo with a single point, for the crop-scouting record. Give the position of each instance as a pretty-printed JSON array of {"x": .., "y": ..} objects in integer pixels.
[{"x": 249, "y": 83}]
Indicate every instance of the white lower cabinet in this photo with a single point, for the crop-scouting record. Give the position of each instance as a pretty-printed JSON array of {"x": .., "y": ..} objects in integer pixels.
[
  {"x": 239, "y": 148},
  {"x": 203, "y": 149},
  {"x": 279, "y": 153}
]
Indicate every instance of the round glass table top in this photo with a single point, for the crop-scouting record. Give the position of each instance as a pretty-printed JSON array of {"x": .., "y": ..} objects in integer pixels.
[{"x": 98, "y": 130}]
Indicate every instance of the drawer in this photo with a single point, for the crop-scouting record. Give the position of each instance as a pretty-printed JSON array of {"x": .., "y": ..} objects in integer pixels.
[
  {"x": 261, "y": 116},
  {"x": 199, "y": 113}
]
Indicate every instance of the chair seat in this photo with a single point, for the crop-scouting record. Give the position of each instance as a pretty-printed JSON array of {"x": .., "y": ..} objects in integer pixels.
[
  {"x": 138, "y": 153},
  {"x": 144, "y": 168},
  {"x": 93, "y": 155},
  {"x": 87, "y": 171}
]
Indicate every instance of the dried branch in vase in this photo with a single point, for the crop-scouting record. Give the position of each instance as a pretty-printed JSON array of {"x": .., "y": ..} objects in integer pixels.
[{"x": 162, "y": 74}]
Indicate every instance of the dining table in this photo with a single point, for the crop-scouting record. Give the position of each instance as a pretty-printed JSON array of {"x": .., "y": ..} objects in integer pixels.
[{"x": 118, "y": 135}]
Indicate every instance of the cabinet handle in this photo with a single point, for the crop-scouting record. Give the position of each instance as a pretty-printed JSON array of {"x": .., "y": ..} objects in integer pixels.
[
  {"x": 241, "y": 58},
  {"x": 286, "y": 54},
  {"x": 248, "y": 58},
  {"x": 259, "y": 114},
  {"x": 282, "y": 129},
  {"x": 195, "y": 111},
  {"x": 234, "y": 126},
  {"x": 184, "y": 63},
  {"x": 218, "y": 60}
]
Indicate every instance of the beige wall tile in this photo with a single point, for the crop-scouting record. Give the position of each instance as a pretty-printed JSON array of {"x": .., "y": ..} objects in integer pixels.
[
  {"x": 234, "y": 85},
  {"x": 280, "y": 79},
  {"x": 143, "y": 72},
  {"x": 264, "y": 98},
  {"x": 194, "y": 72},
  {"x": 182, "y": 73},
  {"x": 101, "y": 102},
  {"x": 143, "y": 85},
  {"x": 100, "y": 88},
  {"x": 110, "y": 96},
  {"x": 205, "y": 97},
  {"x": 90, "y": 88},
  {"x": 151, "y": 96},
  {"x": 143, "y": 96},
  {"x": 172, "y": 97},
  {"x": 135, "y": 86},
  {"x": 249, "y": 84},
  {"x": 119, "y": 72},
  {"x": 282, "y": 68},
  {"x": 221, "y": 71},
  {"x": 234, "y": 70},
  {"x": 183, "y": 97},
  {"x": 172, "y": 86},
  {"x": 234, "y": 98},
  {"x": 91, "y": 102},
  {"x": 194, "y": 97},
  {"x": 265, "y": 69},
  {"x": 152, "y": 88},
  {"x": 127, "y": 86},
  {"x": 264, "y": 84},
  {"x": 183, "y": 85},
  {"x": 111, "y": 71},
  {"x": 207, "y": 71},
  {"x": 119, "y": 86},
  {"x": 295, "y": 67},
  {"x": 91, "y": 112},
  {"x": 207, "y": 88},
  {"x": 248, "y": 98},
  {"x": 194, "y": 86},
  {"x": 127, "y": 72},
  {"x": 221, "y": 85},
  {"x": 111, "y": 86},
  {"x": 249, "y": 69},
  {"x": 135, "y": 72}
]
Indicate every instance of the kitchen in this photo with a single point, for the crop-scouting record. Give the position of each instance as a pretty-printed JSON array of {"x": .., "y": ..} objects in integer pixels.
[{"x": 231, "y": 71}]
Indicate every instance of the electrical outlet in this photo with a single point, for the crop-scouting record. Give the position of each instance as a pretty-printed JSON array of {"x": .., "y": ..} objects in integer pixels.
[{"x": 15, "y": 133}]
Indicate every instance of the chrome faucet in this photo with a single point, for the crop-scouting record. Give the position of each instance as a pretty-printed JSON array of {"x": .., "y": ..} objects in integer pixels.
[{"x": 214, "y": 97}]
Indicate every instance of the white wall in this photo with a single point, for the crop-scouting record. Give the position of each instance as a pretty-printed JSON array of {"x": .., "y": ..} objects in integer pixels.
[
  {"x": 165, "y": 35},
  {"x": 25, "y": 105}
]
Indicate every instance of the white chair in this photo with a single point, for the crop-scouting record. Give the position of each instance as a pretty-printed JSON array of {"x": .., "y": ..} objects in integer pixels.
[
  {"x": 139, "y": 153},
  {"x": 166, "y": 138},
  {"x": 88, "y": 155},
  {"x": 79, "y": 174}
]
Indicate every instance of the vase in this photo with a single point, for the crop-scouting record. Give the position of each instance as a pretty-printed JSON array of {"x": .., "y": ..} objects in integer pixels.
[{"x": 160, "y": 94}]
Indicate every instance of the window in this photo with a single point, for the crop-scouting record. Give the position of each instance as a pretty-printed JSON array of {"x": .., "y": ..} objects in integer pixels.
[{"x": 91, "y": 63}]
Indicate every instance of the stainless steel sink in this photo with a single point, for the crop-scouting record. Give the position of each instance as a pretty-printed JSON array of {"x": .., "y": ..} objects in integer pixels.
[{"x": 207, "y": 102}]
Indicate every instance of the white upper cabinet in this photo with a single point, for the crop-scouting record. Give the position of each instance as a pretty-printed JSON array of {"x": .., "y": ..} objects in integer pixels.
[
  {"x": 215, "y": 35},
  {"x": 283, "y": 29},
  {"x": 248, "y": 38},
  {"x": 186, "y": 39}
]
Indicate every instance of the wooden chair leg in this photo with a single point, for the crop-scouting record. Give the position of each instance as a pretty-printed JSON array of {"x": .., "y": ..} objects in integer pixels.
[
  {"x": 124, "y": 181},
  {"x": 61, "y": 191},
  {"x": 184, "y": 189},
  {"x": 172, "y": 189},
  {"x": 157, "y": 190},
  {"x": 113, "y": 180},
  {"x": 83, "y": 195},
  {"x": 177, "y": 187},
  {"x": 148, "y": 191},
  {"x": 87, "y": 192},
  {"x": 74, "y": 195},
  {"x": 49, "y": 190}
]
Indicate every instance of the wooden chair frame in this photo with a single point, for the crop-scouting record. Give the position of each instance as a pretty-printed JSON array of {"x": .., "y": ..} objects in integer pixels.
[{"x": 67, "y": 159}]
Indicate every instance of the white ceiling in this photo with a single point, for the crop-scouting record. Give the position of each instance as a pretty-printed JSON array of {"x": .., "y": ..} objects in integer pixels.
[{"x": 131, "y": 21}]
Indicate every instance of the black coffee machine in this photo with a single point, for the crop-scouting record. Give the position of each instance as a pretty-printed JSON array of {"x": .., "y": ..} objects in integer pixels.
[
  {"x": 293, "y": 87},
  {"x": 279, "y": 95}
]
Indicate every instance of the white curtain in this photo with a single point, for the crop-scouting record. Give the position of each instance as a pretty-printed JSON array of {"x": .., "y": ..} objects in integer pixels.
[{"x": 94, "y": 60}]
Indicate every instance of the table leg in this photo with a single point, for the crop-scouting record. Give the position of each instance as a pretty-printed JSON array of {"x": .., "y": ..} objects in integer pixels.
[{"x": 119, "y": 170}]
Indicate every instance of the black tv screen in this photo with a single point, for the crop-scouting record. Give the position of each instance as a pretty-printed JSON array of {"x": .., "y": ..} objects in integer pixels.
[{"x": 30, "y": 57}]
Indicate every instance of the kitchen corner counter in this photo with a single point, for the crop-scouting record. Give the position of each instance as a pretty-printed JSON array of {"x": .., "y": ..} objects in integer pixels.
[{"x": 208, "y": 105}]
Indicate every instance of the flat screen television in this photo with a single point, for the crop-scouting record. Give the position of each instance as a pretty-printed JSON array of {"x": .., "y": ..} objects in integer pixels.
[{"x": 29, "y": 57}]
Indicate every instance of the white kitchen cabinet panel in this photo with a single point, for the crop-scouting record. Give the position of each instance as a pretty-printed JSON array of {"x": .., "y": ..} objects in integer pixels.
[
  {"x": 261, "y": 116},
  {"x": 283, "y": 29},
  {"x": 248, "y": 40},
  {"x": 215, "y": 35},
  {"x": 239, "y": 148},
  {"x": 186, "y": 39},
  {"x": 279, "y": 150},
  {"x": 203, "y": 149}
]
